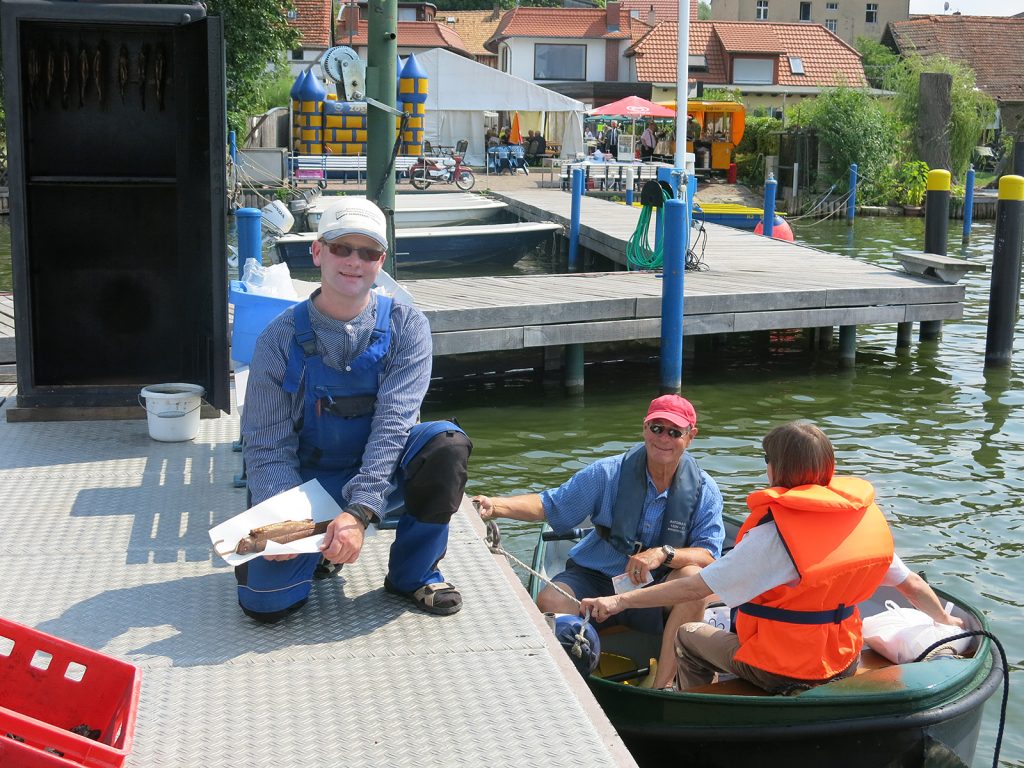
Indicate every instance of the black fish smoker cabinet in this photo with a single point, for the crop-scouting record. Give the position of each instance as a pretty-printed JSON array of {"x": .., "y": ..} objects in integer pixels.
[{"x": 116, "y": 136}]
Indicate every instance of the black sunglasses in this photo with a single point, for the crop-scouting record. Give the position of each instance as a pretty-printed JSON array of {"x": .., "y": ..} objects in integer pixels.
[
  {"x": 343, "y": 251},
  {"x": 674, "y": 433}
]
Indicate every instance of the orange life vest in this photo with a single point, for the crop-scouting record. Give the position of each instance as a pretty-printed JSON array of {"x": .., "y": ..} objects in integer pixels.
[{"x": 842, "y": 547}]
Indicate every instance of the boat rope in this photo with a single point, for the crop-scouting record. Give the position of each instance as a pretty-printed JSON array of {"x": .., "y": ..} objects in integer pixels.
[
  {"x": 1003, "y": 666},
  {"x": 493, "y": 540}
]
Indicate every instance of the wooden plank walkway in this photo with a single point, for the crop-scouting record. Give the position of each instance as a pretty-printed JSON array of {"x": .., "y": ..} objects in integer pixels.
[{"x": 751, "y": 283}]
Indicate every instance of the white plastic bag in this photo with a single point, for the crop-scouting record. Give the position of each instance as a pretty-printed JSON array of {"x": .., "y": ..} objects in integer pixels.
[
  {"x": 902, "y": 634},
  {"x": 275, "y": 280}
]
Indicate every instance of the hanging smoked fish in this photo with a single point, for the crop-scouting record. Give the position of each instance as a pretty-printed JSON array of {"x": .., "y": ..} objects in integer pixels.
[
  {"x": 159, "y": 70},
  {"x": 122, "y": 71},
  {"x": 83, "y": 73},
  {"x": 97, "y": 71},
  {"x": 143, "y": 59},
  {"x": 65, "y": 63},
  {"x": 51, "y": 66},
  {"x": 33, "y": 77}
]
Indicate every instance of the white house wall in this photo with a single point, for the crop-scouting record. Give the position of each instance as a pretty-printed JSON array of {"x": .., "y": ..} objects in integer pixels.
[{"x": 521, "y": 57}]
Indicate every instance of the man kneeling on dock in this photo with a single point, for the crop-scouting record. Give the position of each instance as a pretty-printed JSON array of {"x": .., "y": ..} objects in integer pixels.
[
  {"x": 654, "y": 512},
  {"x": 335, "y": 387}
]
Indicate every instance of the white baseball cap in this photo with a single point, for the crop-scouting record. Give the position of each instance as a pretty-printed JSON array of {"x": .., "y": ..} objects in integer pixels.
[{"x": 353, "y": 216}]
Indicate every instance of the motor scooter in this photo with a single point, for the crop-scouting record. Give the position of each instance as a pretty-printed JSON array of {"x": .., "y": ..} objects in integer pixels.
[{"x": 430, "y": 170}]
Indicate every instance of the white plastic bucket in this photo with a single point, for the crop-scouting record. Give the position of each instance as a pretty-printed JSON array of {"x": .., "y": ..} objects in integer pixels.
[{"x": 172, "y": 411}]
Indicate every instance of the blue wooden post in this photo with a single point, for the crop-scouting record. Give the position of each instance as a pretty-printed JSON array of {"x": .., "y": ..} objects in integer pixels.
[
  {"x": 1006, "y": 258},
  {"x": 574, "y": 219},
  {"x": 672, "y": 297},
  {"x": 770, "y": 189},
  {"x": 233, "y": 146},
  {"x": 968, "y": 204},
  {"x": 250, "y": 239},
  {"x": 629, "y": 186},
  {"x": 665, "y": 175},
  {"x": 851, "y": 202}
]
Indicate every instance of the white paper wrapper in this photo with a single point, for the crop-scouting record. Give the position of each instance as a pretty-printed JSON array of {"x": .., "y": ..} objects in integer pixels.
[{"x": 307, "y": 501}]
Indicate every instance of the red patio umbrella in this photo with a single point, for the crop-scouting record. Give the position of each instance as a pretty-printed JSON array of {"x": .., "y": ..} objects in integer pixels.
[{"x": 634, "y": 107}]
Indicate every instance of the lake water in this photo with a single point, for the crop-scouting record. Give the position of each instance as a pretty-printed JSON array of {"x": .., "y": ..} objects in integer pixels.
[{"x": 941, "y": 439}]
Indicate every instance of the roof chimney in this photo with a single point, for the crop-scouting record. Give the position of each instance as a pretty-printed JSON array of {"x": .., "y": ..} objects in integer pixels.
[
  {"x": 652, "y": 17},
  {"x": 612, "y": 15}
]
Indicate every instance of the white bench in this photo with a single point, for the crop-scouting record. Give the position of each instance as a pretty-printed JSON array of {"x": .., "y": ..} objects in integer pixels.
[{"x": 948, "y": 269}]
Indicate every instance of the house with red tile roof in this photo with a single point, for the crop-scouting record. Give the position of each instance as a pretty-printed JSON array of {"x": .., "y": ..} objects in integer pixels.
[
  {"x": 990, "y": 45},
  {"x": 313, "y": 20},
  {"x": 419, "y": 29},
  {"x": 768, "y": 63},
  {"x": 849, "y": 19},
  {"x": 578, "y": 52}
]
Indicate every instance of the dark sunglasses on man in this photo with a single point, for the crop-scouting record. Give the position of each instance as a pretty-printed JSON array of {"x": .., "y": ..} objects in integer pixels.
[
  {"x": 343, "y": 251},
  {"x": 674, "y": 433}
]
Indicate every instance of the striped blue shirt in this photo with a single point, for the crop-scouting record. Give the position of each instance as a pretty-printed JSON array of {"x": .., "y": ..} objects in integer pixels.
[
  {"x": 591, "y": 493},
  {"x": 271, "y": 416}
]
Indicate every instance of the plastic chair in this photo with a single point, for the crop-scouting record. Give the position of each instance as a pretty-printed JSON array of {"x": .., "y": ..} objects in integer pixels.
[
  {"x": 501, "y": 160},
  {"x": 461, "y": 146}
]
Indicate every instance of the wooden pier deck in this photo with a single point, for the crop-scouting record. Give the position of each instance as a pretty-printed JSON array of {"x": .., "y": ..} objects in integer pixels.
[{"x": 750, "y": 283}]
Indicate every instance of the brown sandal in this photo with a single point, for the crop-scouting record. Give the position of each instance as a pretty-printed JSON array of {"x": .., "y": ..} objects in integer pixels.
[{"x": 440, "y": 598}]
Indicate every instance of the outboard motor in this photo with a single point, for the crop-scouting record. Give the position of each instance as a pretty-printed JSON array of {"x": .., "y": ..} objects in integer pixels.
[
  {"x": 584, "y": 649},
  {"x": 276, "y": 219}
]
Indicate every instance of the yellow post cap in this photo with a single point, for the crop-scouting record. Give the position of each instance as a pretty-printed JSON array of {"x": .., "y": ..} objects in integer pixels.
[
  {"x": 938, "y": 180},
  {"x": 1011, "y": 188}
]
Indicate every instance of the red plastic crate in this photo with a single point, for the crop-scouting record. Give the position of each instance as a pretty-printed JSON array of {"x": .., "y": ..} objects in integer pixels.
[{"x": 49, "y": 686}]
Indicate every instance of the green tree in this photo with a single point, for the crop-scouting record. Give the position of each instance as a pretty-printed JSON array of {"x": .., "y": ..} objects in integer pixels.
[
  {"x": 972, "y": 109},
  {"x": 257, "y": 37},
  {"x": 703, "y": 11},
  {"x": 878, "y": 60},
  {"x": 854, "y": 127}
]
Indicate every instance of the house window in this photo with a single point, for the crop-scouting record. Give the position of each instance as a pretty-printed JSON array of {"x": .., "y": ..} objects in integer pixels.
[
  {"x": 753, "y": 71},
  {"x": 505, "y": 63},
  {"x": 559, "y": 62},
  {"x": 796, "y": 65},
  {"x": 805, "y": 11},
  {"x": 292, "y": 15},
  {"x": 296, "y": 54},
  {"x": 761, "y": 10},
  {"x": 832, "y": 25},
  {"x": 871, "y": 13},
  {"x": 831, "y": 6}
]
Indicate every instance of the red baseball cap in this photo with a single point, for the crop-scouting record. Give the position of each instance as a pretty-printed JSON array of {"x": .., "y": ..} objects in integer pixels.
[{"x": 674, "y": 409}]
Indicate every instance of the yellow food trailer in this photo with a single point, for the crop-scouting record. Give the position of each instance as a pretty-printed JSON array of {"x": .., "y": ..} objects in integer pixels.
[{"x": 721, "y": 125}]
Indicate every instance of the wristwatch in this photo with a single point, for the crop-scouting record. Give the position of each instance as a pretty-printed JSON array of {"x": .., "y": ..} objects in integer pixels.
[
  {"x": 670, "y": 552},
  {"x": 362, "y": 513}
]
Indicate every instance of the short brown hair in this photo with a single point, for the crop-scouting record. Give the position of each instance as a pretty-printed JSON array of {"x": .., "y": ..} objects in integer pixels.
[{"x": 800, "y": 454}]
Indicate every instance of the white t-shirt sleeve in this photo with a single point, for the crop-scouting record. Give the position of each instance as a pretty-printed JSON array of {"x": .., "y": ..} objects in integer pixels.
[
  {"x": 897, "y": 572},
  {"x": 758, "y": 563}
]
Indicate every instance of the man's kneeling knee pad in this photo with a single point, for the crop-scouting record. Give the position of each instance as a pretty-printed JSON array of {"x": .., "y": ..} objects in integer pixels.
[{"x": 435, "y": 478}]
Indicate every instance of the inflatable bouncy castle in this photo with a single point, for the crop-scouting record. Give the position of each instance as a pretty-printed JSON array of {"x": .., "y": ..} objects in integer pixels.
[{"x": 322, "y": 124}]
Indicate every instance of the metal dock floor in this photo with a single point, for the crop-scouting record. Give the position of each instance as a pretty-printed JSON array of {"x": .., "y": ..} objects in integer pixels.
[{"x": 105, "y": 544}]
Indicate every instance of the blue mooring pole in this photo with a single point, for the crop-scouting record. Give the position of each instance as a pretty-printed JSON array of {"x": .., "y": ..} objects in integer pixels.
[
  {"x": 936, "y": 233},
  {"x": 629, "y": 186},
  {"x": 851, "y": 201},
  {"x": 770, "y": 189},
  {"x": 1006, "y": 258},
  {"x": 574, "y": 219},
  {"x": 672, "y": 297},
  {"x": 250, "y": 239},
  {"x": 968, "y": 204},
  {"x": 233, "y": 146},
  {"x": 665, "y": 175}
]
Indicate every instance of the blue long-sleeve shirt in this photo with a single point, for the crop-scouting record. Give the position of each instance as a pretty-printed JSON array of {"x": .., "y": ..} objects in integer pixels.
[
  {"x": 591, "y": 493},
  {"x": 271, "y": 416}
]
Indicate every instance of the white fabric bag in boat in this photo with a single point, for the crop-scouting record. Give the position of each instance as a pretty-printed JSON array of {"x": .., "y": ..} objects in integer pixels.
[{"x": 901, "y": 634}]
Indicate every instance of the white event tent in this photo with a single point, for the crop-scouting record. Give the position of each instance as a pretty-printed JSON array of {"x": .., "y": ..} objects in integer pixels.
[{"x": 460, "y": 90}]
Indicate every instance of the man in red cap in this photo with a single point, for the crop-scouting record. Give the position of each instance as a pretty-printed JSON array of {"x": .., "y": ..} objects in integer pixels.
[{"x": 654, "y": 512}]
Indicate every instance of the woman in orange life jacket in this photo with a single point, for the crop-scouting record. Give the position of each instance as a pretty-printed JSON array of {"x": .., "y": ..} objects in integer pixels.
[{"x": 813, "y": 547}]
